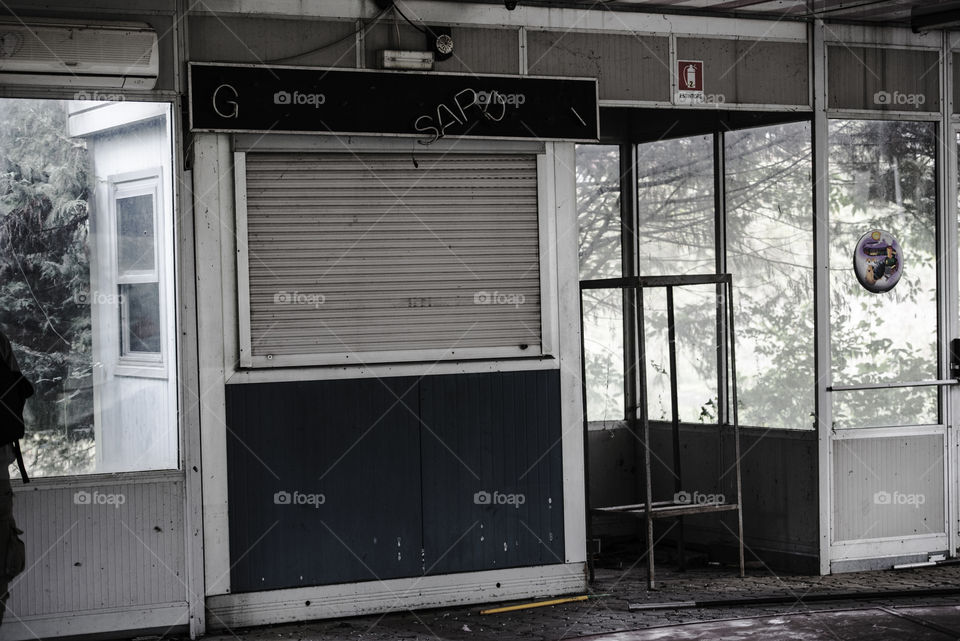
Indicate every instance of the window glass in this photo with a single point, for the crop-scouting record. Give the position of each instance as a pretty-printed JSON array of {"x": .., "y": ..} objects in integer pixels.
[
  {"x": 603, "y": 353},
  {"x": 769, "y": 251},
  {"x": 885, "y": 407},
  {"x": 676, "y": 230},
  {"x": 883, "y": 177},
  {"x": 140, "y": 305},
  {"x": 598, "y": 211},
  {"x": 675, "y": 207},
  {"x": 68, "y": 302},
  {"x": 768, "y": 187},
  {"x": 696, "y": 351},
  {"x": 598, "y": 215},
  {"x": 135, "y": 243}
]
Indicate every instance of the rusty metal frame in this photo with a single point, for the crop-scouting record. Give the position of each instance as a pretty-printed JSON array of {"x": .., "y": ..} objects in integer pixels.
[{"x": 650, "y": 510}]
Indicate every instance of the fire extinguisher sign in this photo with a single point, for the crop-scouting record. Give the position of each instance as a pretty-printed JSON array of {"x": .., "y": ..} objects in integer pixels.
[{"x": 690, "y": 81}]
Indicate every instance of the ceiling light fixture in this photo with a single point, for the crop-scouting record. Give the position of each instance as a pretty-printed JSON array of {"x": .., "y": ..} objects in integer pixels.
[{"x": 409, "y": 60}]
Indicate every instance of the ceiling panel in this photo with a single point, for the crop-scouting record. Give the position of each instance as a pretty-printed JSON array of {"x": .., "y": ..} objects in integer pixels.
[{"x": 876, "y": 11}]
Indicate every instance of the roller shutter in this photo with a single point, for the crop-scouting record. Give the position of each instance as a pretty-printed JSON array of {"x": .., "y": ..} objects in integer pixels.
[{"x": 384, "y": 257}]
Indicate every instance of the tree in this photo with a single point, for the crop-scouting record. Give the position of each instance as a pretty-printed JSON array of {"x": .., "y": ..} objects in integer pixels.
[
  {"x": 45, "y": 188},
  {"x": 882, "y": 176},
  {"x": 598, "y": 204}
]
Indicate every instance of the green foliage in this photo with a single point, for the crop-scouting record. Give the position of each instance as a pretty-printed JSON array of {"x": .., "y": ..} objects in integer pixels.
[
  {"x": 598, "y": 204},
  {"x": 598, "y": 201},
  {"x": 769, "y": 214},
  {"x": 882, "y": 176},
  {"x": 770, "y": 254},
  {"x": 45, "y": 188}
]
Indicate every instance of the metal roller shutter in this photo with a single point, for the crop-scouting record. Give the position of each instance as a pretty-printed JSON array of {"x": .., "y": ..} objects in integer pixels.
[{"x": 379, "y": 258}]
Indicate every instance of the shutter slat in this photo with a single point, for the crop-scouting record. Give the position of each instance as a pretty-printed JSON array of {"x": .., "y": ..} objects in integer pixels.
[{"x": 368, "y": 253}]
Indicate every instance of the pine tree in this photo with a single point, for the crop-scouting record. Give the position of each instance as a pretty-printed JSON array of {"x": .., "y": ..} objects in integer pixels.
[{"x": 45, "y": 187}]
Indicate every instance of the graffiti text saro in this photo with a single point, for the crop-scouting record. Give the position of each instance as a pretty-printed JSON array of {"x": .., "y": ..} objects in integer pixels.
[{"x": 467, "y": 106}]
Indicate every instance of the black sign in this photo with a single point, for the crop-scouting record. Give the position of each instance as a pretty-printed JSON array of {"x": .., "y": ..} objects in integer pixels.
[{"x": 230, "y": 98}]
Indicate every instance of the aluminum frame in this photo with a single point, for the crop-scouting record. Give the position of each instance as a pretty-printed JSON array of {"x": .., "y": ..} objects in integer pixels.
[{"x": 947, "y": 318}]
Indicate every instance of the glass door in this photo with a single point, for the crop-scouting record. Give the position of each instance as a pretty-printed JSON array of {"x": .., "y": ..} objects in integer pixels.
[{"x": 887, "y": 382}]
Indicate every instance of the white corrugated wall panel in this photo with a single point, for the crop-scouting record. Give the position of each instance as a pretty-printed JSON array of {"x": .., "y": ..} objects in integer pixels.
[
  {"x": 887, "y": 487},
  {"x": 356, "y": 254},
  {"x": 91, "y": 547}
]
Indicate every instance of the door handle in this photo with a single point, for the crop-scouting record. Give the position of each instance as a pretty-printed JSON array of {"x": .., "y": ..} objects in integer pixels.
[{"x": 955, "y": 358}]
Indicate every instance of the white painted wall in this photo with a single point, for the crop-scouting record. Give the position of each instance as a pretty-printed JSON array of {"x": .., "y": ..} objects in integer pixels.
[{"x": 97, "y": 565}]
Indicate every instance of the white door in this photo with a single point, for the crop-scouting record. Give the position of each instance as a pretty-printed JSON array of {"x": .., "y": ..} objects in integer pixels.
[{"x": 888, "y": 382}]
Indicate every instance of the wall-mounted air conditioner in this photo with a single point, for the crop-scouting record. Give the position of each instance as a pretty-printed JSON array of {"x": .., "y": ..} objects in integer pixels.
[{"x": 60, "y": 53}]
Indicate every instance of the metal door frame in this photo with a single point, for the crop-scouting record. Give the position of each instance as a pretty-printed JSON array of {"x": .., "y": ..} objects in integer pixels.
[{"x": 948, "y": 325}]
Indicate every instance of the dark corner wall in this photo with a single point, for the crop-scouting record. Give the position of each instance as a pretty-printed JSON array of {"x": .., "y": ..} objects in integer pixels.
[{"x": 779, "y": 479}]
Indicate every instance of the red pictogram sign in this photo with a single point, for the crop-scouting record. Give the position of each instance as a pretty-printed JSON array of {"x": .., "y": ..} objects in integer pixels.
[{"x": 690, "y": 75}]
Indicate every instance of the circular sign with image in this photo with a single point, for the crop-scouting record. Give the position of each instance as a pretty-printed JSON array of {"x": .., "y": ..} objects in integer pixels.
[{"x": 878, "y": 261}]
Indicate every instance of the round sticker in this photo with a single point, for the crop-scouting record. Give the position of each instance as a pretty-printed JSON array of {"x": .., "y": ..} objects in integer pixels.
[{"x": 878, "y": 261}]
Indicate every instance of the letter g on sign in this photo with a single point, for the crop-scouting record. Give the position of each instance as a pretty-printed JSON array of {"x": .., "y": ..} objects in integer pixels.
[{"x": 231, "y": 111}]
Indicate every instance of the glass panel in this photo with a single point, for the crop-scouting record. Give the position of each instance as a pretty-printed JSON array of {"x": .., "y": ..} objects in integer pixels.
[
  {"x": 676, "y": 228},
  {"x": 675, "y": 206},
  {"x": 598, "y": 211},
  {"x": 770, "y": 254},
  {"x": 883, "y": 178},
  {"x": 90, "y": 413},
  {"x": 696, "y": 329},
  {"x": 885, "y": 407},
  {"x": 141, "y": 318},
  {"x": 135, "y": 241},
  {"x": 603, "y": 353}
]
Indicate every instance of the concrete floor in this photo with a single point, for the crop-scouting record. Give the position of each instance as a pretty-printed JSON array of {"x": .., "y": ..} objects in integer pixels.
[
  {"x": 611, "y": 619},
  {"x": 930, "y": 623}
]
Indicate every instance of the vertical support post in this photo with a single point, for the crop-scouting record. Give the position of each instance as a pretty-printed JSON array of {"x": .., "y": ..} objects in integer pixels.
[
  {"x": 188, "y": 372},
  {"x": 720, "y": 237},
  {"x": 586, "y": 449},
  {"x": 633, "y": 396},
  {"x": 720, "y": 248},
  {"x": 360, "y": 45},
  {"x": 947, "y": 276},
  {"x": 728, "y": 298},
  {"x": 675, "y": 420},
  {"x": 522, "y": 49},
  {"x": 821, "y": 274},
  {"x": 645, "y": 419}
]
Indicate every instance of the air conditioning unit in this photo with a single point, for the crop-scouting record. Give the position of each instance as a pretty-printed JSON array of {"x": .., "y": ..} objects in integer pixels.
[{"x": 62, "y": 53}]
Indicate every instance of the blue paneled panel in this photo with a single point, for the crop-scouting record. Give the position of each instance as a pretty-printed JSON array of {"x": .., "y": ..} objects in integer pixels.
[
  {"x": 354, "y": 480},
  {"x": 356, "y": 443},
  {"x": 492, "y": 471}
]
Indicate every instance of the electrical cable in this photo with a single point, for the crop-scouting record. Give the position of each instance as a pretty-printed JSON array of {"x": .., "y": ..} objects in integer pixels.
[
  {"x": 352, "y": 34},
  {"x": 422, "y": 30}
]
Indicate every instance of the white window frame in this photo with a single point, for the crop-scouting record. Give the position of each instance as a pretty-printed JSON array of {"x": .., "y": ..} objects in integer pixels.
[
  {"x": 140, "y": 183},
  {"x": 549, "y": 295}
]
